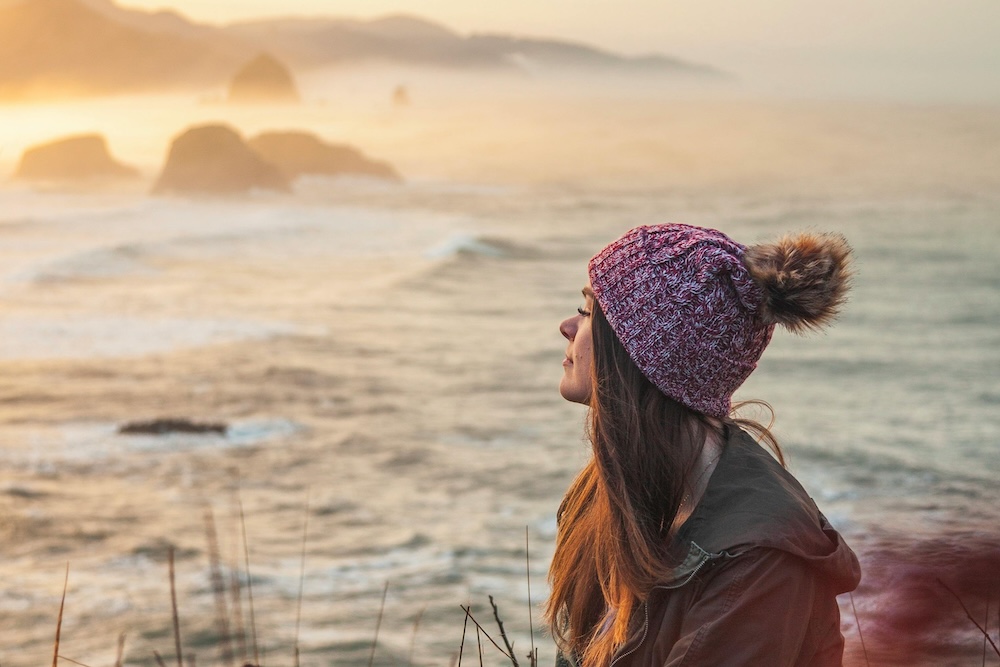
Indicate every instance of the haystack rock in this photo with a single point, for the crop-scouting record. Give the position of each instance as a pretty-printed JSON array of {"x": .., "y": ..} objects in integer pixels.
[
  {"x": 297, "y": 153},
  {"x": 80, "y": 158},
  {"x": 263, "y": 79},
  {"x": 401, "y": 96},
  {"x": 214, "y": 159}
]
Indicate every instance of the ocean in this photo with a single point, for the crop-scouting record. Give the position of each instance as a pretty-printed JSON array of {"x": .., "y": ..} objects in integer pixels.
[{"x": 387, "y": 358}]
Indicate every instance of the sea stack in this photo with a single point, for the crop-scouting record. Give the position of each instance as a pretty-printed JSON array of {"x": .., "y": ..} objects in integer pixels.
[
  {"x": 263, "y": 79},
  {"x": 298, "y": 153},
  {"x": 401, "y": 96},
  {"x": 72, "y": 159},
  {"x": 214, "y": 160}
]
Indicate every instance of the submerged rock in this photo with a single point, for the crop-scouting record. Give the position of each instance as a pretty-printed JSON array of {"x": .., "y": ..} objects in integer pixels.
[
  {"x": 297, "y": 153},
  {"x": 214, "y": 159},
  {"x": 166, "y": 426},
  {"x": 263, "y": 79},
  {"x": 79, "y": 158}
]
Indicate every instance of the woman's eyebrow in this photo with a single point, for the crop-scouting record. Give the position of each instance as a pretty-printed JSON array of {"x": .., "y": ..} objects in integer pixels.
[{"x": 587, "y": 292}]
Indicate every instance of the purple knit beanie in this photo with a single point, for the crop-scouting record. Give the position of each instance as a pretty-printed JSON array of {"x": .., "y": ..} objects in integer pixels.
[{"x": 695, "y": 310}]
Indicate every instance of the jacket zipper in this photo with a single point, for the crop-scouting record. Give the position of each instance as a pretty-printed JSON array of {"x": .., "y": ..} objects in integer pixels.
[
  {"x": 645, "y": 629},
  {"x": 645, "y": 610}
]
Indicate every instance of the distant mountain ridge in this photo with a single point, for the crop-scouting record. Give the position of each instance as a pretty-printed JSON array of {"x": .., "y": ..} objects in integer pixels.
[
  {"x": 162, "y": 21},
  {"x": 312, "y": 41},
  {"x": 79, "y": 47}
]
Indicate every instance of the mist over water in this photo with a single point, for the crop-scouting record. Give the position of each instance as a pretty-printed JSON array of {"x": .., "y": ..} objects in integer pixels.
[{"x": 389, "y": 356}]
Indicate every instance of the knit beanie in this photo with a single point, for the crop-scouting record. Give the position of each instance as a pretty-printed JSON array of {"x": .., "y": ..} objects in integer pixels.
[{"x": 695, "y": 309}]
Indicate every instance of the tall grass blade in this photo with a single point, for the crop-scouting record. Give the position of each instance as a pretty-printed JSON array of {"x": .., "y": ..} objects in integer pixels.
[
  {"x": 236, "y": 599},
  {"x": 121, "y": 650},
  {"x": 219, "y": 590},
  {"x": 246, "y": 563},
  {"x": 75, "y": 662},
  {"x": 857, "y": 622},
  {"x": 378, "y": 625},
  {"x": 461, "y": 646},
  {"x": 62, "y": 606},
  {"x": 468, "y": 613},
  {"x": 503, "y": 634},
  {"x": 533, "y": 656},
  {"x": 413, "y": 636},
  {"x": 302, "y": 579},
  {"x": 986, "y": 624},
  {"x": 986, "y": 634},
  {"x": 173, "y": 607}
]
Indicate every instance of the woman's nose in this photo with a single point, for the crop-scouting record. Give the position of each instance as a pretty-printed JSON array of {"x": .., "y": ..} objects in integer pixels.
[{"x": 568, "y": 328}]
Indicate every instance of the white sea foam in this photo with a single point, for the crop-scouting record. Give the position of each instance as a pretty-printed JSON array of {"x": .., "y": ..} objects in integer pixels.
[
  {"x": 464, "y": 244},
  {"x": 71, "y": 235}
]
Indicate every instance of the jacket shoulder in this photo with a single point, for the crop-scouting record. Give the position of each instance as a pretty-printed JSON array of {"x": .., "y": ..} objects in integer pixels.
[{"x": 752, "y": 501}]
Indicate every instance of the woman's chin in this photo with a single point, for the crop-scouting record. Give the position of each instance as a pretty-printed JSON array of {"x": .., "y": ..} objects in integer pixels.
[{"x": 574, "y": 394}]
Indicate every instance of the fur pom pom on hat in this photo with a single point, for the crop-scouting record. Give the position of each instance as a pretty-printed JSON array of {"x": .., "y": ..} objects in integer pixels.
[{"x": 695, "y": 310}]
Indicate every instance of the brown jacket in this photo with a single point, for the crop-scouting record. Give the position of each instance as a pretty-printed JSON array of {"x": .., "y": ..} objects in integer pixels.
[{"x": 760, "y": 580}]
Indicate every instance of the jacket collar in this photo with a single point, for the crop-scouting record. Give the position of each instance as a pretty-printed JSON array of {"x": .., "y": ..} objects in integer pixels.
[{"x": 751, "y": 501}]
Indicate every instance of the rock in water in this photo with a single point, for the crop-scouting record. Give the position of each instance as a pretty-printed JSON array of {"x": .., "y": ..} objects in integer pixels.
[
  {"x": 165, "y": 426},
  {"x": 263, "y": 79},
  {"x": 80, "y": 158},
  {"x": 401, "y": 96},
  {"x": 297, "y": 153},
  {"x": 214, "y": 159}
]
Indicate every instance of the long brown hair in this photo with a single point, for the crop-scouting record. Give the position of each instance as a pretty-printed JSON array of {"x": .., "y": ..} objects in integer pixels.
[{"x": 613, "y": 543}]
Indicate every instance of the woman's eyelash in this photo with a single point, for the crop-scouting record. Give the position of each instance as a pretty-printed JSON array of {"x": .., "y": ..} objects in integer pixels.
[{"x": 585, "y": 313}]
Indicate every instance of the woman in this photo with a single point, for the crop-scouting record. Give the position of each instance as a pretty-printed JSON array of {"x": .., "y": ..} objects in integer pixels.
[{"x": 684, "y": 542}]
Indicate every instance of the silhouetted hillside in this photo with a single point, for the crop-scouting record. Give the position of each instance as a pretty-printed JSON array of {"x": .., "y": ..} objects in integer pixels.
[
  {"x": 162, "y": 21},
  {"x": 67, "y": 47},
  {"x": 552, "y": 54},
  {"x": 320, "y": 41},
  {"x": 409, "y": 39}
]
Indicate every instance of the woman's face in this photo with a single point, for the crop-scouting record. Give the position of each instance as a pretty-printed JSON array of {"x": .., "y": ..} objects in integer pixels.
[{"x": 576, "y": 380}]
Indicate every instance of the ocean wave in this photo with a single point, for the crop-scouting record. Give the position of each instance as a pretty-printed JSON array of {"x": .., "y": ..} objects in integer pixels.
[
  {"x": 406, "y": 566},
  {"x": 113, "y": 262},
  {"x": 472, "y": 246},
  {"x": 65, "y": 237}
]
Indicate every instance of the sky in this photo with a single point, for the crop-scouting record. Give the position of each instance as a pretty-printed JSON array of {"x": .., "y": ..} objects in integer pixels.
[{"x": 948, "y": 46}]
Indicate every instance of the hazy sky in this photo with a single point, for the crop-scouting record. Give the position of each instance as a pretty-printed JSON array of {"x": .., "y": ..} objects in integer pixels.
[{"x": 945, "y": 44}]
